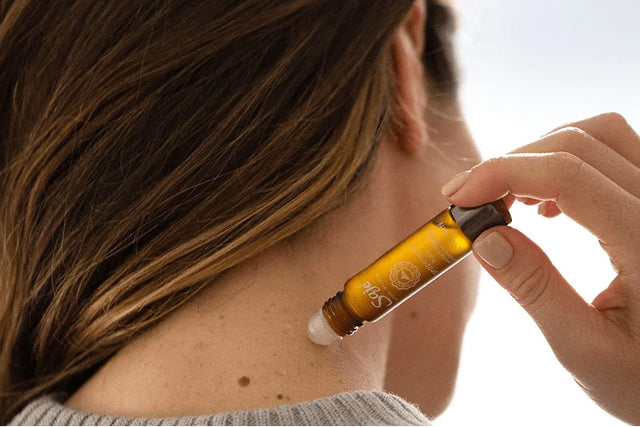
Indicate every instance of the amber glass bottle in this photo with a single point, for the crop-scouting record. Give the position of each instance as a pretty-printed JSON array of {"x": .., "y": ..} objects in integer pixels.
[{"x": 404, "y": 269}]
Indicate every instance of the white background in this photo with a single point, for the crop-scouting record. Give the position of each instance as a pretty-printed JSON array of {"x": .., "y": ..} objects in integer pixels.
[{"x": 527, "y": 67}]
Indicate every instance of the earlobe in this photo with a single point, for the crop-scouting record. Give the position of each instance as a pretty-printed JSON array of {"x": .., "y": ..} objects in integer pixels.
[{"x": 409, "y": 124}]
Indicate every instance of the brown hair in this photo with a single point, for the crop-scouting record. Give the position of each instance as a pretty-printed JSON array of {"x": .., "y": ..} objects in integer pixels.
[{"x": 146, "y": 147}]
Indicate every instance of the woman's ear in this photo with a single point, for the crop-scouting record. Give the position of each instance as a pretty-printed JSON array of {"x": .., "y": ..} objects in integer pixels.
[
  {"x": 415, "y": 22},
  {"x": 409, "y": 126}
]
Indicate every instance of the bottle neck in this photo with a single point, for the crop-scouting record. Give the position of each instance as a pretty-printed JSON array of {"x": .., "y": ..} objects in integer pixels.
[{"x": 339, "y": 317}]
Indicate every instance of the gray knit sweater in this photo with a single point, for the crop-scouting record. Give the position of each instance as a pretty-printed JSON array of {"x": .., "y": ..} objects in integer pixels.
[{"x": 359, "y": 407}]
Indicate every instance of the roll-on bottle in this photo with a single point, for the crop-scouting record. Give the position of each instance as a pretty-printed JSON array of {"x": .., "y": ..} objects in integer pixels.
[{"x": 404, "y": 270}]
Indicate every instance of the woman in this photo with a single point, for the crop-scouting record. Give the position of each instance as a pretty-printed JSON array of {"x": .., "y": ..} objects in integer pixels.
[{"x": 185, "y": 183}]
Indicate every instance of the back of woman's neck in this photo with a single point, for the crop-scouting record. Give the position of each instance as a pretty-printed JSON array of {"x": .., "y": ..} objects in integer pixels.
[{"x": 240, "y": 344}]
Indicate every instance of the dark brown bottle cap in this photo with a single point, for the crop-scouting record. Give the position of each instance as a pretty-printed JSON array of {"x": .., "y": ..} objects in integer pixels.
[{"x": 473, "y": 221}]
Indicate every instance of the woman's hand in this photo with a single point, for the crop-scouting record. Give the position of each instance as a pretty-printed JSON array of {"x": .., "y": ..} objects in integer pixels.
[{"x": 589, "y": 171}]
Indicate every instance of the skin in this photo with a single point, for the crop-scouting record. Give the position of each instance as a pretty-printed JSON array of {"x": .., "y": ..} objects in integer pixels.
[
  {"x": 590, "y": 171},
  {"x": 242, "y": 344}
]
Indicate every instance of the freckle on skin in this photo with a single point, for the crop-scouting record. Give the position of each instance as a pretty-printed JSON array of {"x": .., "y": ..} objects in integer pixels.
[
  {"x": 243, "y": 381},
  {"x": 221, "y": 317},
  {"x": 280, "y": 396},
  {"x": 413, "y": 314}
]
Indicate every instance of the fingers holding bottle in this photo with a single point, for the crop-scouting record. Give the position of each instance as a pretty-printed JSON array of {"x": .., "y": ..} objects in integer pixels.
[
  {"x": 591, "y": 172},
  {"x": 578, "y": 189}
]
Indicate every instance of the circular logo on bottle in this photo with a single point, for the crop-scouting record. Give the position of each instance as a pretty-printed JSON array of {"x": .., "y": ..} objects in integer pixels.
[{"x": 404, "y": 275}]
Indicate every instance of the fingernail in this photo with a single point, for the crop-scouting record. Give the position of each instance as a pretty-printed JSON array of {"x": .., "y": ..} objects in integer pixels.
[
  {"x": 494, "y": 249},
  {"x": 455, "y": 184}
]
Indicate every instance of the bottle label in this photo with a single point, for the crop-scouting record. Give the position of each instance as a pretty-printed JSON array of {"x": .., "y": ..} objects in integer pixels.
[{"x": 406, "y": 268}]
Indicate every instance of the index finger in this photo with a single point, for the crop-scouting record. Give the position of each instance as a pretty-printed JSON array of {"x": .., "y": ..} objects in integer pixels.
[{"x": 578, "y": 189}]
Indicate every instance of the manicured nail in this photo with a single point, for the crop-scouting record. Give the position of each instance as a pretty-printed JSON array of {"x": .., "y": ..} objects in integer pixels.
[
  {"x": 494, "y": 249},
  {"x": 455, "y": 184}
]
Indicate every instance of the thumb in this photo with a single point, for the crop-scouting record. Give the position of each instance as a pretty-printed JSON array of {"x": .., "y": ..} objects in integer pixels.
[{"x": 523, "y": 269}]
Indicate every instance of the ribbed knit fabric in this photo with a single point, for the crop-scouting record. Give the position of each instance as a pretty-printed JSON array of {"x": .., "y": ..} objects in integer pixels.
[{"x": 361, "y": 407}]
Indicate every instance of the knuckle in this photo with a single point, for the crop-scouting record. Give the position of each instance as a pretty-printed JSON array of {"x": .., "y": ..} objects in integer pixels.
[
  {"x": 531, "y": 286},
  {"x": 615, "y": 119},
  {"x": 574, "y": 140},
  {"x": 492, "y": 166},
  {"x": 568, "y": 164}
]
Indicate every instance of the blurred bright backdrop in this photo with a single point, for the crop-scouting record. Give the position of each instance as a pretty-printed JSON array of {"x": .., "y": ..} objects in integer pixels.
[{"x": 528, "y": 67}]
